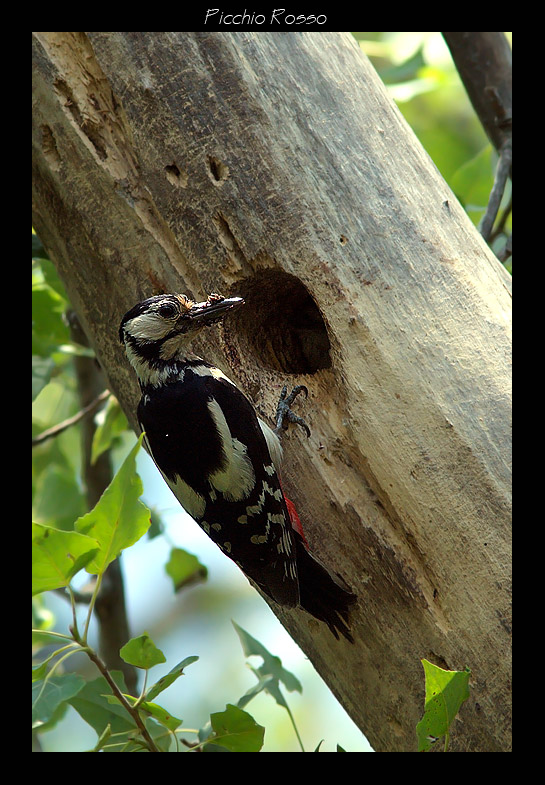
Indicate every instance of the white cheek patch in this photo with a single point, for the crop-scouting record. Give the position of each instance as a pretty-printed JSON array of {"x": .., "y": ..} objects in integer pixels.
[
  {"x": 148, "y": 327},
  {"x": 236, "y": 478}
]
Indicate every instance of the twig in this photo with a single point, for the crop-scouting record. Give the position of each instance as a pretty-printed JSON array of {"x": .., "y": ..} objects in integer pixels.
[
  {"x": 83, "y": 598},
  {"x": 496, "y": 194},
  {"x": 135, "y": 714},
  {"x": 499, "y": 228},
  {"x": 507, "y": 251},
  {"x": 50, "y": 433}
]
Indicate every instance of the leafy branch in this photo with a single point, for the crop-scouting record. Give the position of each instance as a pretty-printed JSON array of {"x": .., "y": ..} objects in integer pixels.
[
  {"x": 117, "y": 521},
  {"x": 91, "y": 408},
  {"x": 121, "y": 720}
]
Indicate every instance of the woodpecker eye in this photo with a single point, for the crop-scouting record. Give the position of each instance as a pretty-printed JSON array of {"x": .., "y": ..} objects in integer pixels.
[{"x": 168, "y": 311}]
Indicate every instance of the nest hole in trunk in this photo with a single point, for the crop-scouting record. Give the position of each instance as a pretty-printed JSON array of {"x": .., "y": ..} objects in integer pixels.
[{"x": 281, "y": 324}]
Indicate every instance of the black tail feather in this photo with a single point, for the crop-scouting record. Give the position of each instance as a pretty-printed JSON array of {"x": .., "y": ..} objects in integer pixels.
[{"x": 323, "y": 593}]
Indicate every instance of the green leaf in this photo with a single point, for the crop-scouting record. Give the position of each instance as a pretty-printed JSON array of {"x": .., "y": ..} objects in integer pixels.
[
  {"x": 265, "y": 683},
  {"x": 42, "y": 621},
  {"x": 113, "y": 424},
  {"x": 92, "y": 705},
  {"x": 42, "y": 368},
  {"x": 58, "y": 500},
  {"x": 339, "y": 748},
  {"x": 406, "y": 70},
  {"x": 156, "y": 526},
  {"x": 57, "y": 556},
  {"x": 39, "y": 671},
  {"x": 119, "y": 518},
  {"x": 268, "y": 676},
  {"x": 184, "y": 568},
  {"x": 49, "y": 695},
  {"x": 142, "y": 652},
  {"x": 49, "y": 328},
  {"x": 153, "y": 711},
  {"x": 161, "y": 715},
  {"x": 170, "y": 678},
  {"x": 38, "y": 249},
  {"x": 236, "y": 730},
  {"x": 445, "y": 693},
  {"x": 51, "y": 277},
  {"x": 473, "y": 181},
  {"x": 103, "y": 739},
  {"x": 272, "y": 667}
]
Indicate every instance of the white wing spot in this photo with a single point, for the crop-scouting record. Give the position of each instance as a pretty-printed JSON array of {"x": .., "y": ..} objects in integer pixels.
[
  {"x": 273, "y": 445},
  {"x": 276, "y": 518},
  {"x": 203, "y": 370},
  {"x": 191, "y": 501},
  {"x": 235, "y": 479}
]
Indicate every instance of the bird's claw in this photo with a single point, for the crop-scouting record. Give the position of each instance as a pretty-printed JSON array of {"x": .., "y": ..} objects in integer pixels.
[{"x": 284, "y": 414}]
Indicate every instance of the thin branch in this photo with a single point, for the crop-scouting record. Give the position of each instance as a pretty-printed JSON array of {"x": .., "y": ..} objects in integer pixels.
[
  {"x": 135, "y": 714},
  {"x": 499, "y": 228},
  {"x": 50, "y": 433},
  {"x": 81, "y": 597},
  {"x": 496, "y": 194},
  {"x": 507, "y": 251}
]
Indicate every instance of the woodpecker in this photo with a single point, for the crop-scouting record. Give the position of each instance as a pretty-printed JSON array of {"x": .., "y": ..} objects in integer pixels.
[{"x": 221, "y": 460}]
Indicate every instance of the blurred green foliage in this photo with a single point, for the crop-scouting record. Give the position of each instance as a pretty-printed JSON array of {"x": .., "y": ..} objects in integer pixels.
[{"x": 421, "y": 77}]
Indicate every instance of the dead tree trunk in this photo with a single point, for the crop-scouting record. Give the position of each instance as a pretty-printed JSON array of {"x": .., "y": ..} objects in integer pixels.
[{"x": 275, "y": 166}]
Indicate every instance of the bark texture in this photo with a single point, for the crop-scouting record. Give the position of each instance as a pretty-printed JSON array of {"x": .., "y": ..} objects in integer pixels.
[{"x": 275, "y": 166}]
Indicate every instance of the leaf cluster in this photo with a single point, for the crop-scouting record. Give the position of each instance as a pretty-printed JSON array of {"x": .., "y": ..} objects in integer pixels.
[{"x": 124, "y": 722}]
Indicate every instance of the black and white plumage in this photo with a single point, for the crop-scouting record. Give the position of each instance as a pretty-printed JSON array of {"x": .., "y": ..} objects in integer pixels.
[{"x": 220, "y": 460}]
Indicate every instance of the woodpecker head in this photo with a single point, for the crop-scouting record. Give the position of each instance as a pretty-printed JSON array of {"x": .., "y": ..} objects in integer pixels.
[{"x": 158, "y": 331}]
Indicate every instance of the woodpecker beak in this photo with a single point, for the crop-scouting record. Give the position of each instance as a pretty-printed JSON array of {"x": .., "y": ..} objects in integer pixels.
[{"x": 214, "y": 309}]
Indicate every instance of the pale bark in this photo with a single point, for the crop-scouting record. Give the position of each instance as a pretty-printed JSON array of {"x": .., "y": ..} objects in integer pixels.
[{"x": 276, "y": 166}]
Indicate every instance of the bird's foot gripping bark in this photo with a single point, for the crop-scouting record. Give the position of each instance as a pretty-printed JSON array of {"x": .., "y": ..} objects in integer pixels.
[{"x": 284, "y": 414}]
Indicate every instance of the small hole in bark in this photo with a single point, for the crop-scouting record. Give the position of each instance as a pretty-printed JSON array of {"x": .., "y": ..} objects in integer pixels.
[
  {"x": 49, "y": 148},
  {"x": 175, "y": 176},
  {"x": 218, "y": 170}
]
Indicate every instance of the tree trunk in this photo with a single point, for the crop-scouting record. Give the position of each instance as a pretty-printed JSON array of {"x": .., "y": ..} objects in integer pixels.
[{"x": 275, "y": 166}]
